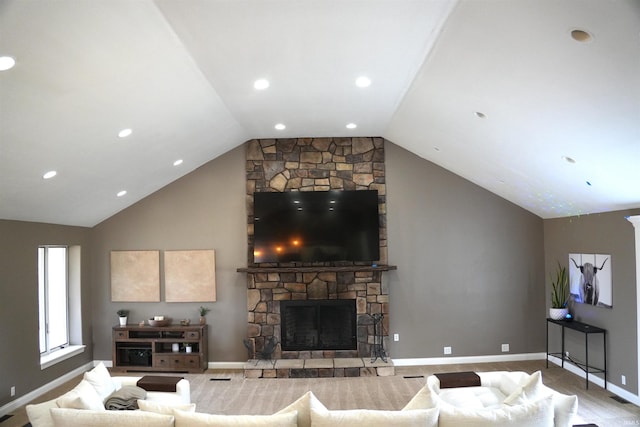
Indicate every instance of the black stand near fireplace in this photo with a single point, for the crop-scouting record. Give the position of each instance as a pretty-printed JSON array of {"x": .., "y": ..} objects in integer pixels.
[{"x": 377, "y": 349}]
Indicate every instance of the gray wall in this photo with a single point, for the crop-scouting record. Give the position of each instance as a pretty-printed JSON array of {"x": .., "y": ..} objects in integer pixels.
[
  {"x": 203, "y": 210},
  {"x": 19, "y": 356},
  {"x": 470, "y": 265},
  {"x": 607, "y": 233},
  {"x": 463, "y": 254}
]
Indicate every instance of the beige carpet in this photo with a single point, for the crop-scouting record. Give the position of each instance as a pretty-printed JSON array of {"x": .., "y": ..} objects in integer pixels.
[{"x": 266, "y": 396}]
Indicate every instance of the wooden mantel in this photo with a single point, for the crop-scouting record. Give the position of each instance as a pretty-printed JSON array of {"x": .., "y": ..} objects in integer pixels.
[{"x": 346, "y": 268}]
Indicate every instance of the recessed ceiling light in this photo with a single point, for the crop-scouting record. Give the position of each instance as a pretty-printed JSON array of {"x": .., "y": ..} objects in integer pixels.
[
  {"x": 480, "y": 115},
  {"x": 49, "y": 174},
  {"x": 280, "y": 126},
  {"x": 261, "y": 84},
  {"x": 177, "y": 162},
  {"x": 568, "y": 159},
  {"x": 352, "y": 126},
  {"x": 7, "y": 63},
  {"x": 363, "y": 81},
  {"x": 124, "y": 133},
  {"x": 121, "y": 193},
  {"x": 581, "y": 36}
]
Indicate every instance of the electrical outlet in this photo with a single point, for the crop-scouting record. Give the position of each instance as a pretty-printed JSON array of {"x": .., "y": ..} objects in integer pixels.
[
  {"x": 396, "y": 337},
  {"x": 624, "y": 380},
  {"x": 505, "y": 348},
  {"x": 447, "y": 350},
  {"x": 13, "y": 390}
]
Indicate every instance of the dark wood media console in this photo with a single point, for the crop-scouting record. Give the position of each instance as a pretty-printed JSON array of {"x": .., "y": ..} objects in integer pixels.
[{"x": 149, "y": 348}]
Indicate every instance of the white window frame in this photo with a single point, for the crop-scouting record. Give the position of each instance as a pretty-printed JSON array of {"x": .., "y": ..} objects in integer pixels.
[
  {"x": 44, "y": 306},
  {"x": 75, "y": 338}
]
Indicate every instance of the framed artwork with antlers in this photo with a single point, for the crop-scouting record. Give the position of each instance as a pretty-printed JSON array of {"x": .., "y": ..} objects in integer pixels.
[{"x": 590, "y": 279}]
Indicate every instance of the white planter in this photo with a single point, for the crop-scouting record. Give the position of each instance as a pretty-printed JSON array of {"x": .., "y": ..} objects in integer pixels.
[
  {"x": 188, "y": 349},
  {"x": 123, "y": 321},
  {"x": 558, "y": 313}
]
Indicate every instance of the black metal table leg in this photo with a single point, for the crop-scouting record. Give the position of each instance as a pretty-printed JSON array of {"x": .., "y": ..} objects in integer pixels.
[
  {"x": 547, "y": 344},
  {"x": 604, "y": 337},
  {"x": 563, "y": 353},
  {"x": 586, "y": 352}
]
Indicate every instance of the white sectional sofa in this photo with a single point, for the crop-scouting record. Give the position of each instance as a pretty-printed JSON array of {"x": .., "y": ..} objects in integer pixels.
[
  {"x": 503, "y": 399},
  {"x": 85, "y": 404}
]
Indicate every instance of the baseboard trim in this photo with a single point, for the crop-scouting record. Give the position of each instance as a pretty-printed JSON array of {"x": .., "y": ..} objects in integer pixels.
[
  {"x": 25, "y": 399},
  {"x": 210, "y": 365},
  {"x": 625, "y": 394},
  {"x": 226, "y": 365},
  {"x": 469, "y": 359}
]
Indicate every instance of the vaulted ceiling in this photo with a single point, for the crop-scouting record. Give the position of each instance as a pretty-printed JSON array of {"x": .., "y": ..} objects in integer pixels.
[{"x": 538, "y": 101}]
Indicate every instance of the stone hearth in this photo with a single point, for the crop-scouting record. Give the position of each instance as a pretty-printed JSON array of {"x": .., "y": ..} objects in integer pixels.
[{"x": 318, "y": 368}]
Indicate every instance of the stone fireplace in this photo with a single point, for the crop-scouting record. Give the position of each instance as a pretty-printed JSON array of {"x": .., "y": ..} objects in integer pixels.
[
  {"x": 363, "y": 288},
  {"x": 316, "y": 164},
  {"x": 310, "y": 325}
]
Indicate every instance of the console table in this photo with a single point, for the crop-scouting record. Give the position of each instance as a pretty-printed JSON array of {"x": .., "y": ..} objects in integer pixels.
[
  {"x": 586, "y": 331},
  {"x": 151, "y": 348}
]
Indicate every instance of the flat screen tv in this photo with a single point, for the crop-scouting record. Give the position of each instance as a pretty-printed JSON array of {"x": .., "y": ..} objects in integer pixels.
[{"x": 316, "y": 226}]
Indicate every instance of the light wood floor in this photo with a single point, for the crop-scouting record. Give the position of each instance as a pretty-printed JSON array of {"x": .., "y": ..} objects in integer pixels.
[{"x": 595, "y": 405}]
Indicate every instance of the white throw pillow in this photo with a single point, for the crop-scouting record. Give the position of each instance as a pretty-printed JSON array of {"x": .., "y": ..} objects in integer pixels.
[
  {"x": 195, "y": 419},
  {"x": 532, "y": 414},
  {"x": 100, "y": 379},
  {"x": 303, "y": 406},
  {"x": 508, "y": 384},
  {"x": 422, "y": 400},
  {"x": 375, "y": 418},
  {"x": 39, "y": 413},
  {"x": 164, "y": 408},
  {"x": 433, "y": 384},
  {"x": 565, "y": 408},
  {"x": 83, "y": 396},
  {"x": 530, "y": 391},
  {"x": 63, "y": 417}
]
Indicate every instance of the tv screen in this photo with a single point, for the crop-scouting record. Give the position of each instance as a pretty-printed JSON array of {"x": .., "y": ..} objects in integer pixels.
[{"x": 316, "y": 226}]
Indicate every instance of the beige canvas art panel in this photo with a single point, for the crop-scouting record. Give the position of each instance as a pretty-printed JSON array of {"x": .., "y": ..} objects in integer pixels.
[
  {"x": 135, "y": 276},
  {"x": 190, "y": 276}
]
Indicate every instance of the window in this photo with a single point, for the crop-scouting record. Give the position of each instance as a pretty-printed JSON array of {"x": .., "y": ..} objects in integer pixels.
[{"x": 53, "y": 298}]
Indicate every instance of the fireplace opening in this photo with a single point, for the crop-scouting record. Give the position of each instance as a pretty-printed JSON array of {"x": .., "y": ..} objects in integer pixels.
[{"x": 318, "y": 325}]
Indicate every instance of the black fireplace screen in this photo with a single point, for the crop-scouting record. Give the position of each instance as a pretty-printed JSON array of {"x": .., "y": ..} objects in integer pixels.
[{"x": 318, "y": 325}]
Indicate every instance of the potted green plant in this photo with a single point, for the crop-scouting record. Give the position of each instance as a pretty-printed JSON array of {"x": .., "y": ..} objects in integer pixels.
[
  {"x": 559, "y": 294},
  {"x": 203, "y": 312},
  {"x": 123, "y": 315}
]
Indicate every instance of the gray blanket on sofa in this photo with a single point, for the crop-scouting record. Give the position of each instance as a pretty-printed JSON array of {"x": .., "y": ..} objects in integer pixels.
[{"x": 125, "y": 398}]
